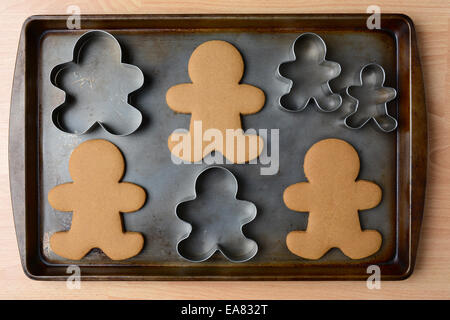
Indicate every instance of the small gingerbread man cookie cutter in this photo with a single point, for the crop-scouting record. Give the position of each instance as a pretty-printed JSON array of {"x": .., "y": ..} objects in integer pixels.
[
  {"x": 92, "y": 95},
  {"x": 221, "y": 230},
  {"x": 373, "y": 101},
  {"x": 308, "y": 50}
]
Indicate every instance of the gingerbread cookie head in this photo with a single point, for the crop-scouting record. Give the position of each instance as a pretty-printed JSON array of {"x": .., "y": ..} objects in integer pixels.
[
  {"x": 101, "y": 161},
  {"x": 331, "y": 158},
  {"x": 216, "y": 62}
]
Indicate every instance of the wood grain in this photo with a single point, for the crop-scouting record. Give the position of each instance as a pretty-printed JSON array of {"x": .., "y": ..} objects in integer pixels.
[{"x": 431, "y": 279}]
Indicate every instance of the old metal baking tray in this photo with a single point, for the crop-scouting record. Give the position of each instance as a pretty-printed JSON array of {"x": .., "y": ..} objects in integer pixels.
[{"x": 393, "y": 154}]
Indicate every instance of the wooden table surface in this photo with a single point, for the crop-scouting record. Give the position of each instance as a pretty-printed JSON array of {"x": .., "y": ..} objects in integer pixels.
[{"x": 431, "y": 278}]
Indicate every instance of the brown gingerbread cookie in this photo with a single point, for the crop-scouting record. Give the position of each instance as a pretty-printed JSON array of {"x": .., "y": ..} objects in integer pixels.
[
  {"x": 332, "y": 197},
  {"x": 96, "y": 198},
  {"x": 216, "y": 100}
]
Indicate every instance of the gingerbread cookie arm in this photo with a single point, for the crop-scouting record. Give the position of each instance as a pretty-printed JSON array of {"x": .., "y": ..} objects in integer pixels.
[
  {"x": 179, "y": 96},
  {"x": 297, "y": 197},
  {"x": 130, "y": 196},
  {"x": 367, "y": 194},
  {"x": 251, "y": 99},
  {"x": 62, "y": 197}
]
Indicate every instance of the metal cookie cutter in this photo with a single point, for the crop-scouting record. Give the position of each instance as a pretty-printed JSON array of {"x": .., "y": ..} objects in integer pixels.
[
  {"x": 97, "y": 86},
  {"x": 371, "y": 100},
  {"x": 308, "y": 74},
  {"x": 215, "y": 218}
]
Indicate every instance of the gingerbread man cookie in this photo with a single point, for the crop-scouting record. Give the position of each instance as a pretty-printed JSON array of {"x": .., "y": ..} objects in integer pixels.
[
  {"x": 96, "y": 198},
  {"x": 332, "y": 197},
  {"x": 216, "y": 100}
]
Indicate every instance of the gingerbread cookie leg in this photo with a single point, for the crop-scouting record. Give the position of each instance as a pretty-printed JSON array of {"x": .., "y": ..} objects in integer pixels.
[
  {"x": 69, "y": 245},
  {"x": 119, "y": 245},
  {"x": 241, "y": 148},
  {"x": 122, "y": 247},
  {"x": 307, "y": 245},
  {"x": 368, "y": 241},
  {"x": 189, "y": 147}
]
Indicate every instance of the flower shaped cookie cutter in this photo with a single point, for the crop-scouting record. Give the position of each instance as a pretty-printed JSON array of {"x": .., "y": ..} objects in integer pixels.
[
  {"x": 371, "y": 100},
  {"x": 97, "y": 86},
  {"x": 308, "y": 75},
  {"x": 214, "y": 219}
]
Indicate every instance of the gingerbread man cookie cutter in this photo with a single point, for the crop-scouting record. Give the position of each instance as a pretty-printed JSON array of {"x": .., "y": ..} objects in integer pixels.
[
  {"x": 97, "y": 85},
  {"x": 371, "y": 101},
  {"x": 214, "y": 219},
  {"x": 308, "y": 74}
]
